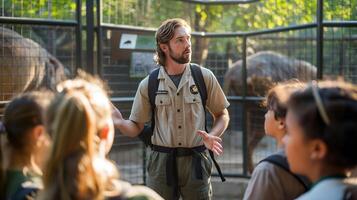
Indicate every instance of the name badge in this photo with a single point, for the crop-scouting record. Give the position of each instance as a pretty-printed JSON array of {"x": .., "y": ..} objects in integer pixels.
[{"x": 162, "y": 92}]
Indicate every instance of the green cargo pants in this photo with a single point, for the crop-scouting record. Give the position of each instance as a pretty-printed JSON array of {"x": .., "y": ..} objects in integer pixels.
[{"x": 190, "y": 188}]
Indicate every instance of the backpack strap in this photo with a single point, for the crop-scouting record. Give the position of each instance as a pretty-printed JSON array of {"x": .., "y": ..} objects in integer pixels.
[
  {"x": 350, "y": 192},
  {"x": 200, "y": 82},
  {"x": 153, "y": 85},
  {"x": 281, "y": 161},
  {"x": 25, "y": 193}
]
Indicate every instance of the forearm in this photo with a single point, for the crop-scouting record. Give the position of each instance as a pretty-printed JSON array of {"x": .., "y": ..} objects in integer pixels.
[
  {"x": 129, "y": 128},
  {"x": 220, "y": 124}
]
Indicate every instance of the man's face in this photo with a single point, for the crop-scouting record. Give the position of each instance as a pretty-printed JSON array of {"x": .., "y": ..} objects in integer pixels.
[{"x": 180, "y": 46}]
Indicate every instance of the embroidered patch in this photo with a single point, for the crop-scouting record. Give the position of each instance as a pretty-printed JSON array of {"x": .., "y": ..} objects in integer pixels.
[{"x": 194, "y": 89}]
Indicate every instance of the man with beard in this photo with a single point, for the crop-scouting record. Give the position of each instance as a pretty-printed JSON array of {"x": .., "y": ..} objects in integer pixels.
[{"x": 178, "y": 163}]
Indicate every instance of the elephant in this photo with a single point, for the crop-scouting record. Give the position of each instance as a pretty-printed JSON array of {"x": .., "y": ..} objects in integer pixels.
[
  {"x": 25, "y": 65},
  {"x": 263, "y": 70}
]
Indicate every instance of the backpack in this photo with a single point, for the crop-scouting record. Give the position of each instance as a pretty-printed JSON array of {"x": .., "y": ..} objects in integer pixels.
[
  {"x": 153, "y": 86},
  {"x": 25, "y": 192},
  {"x": 281, "y": 161},
  {"x": 350, "y": 192}
]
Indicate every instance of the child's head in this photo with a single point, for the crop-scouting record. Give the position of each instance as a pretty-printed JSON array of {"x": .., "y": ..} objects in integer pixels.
[
  {"x": 322, "y": 126},
  {"x": 95, "y": 91},
  {"x": 27, "y": 142},
  {"x": 79, "y": 123},
  {"x": 275, "y": 103},
  {"x": 24, "y": 119}
]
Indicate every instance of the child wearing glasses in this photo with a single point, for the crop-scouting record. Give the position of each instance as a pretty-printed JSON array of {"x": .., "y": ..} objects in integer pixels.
[
  {"x": 322, "y": 136},
  {"x": 272, "y": 177}
]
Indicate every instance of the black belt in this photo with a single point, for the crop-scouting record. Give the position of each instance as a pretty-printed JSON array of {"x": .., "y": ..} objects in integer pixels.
[{"x": 171, "y": 165}]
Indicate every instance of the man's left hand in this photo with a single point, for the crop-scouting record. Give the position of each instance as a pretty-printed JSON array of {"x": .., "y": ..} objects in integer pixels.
[{"x": 211, "y": 142}]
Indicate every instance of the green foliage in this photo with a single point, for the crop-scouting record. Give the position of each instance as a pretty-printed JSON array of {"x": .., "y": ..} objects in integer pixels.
[
  {"x": 212, "y": 18},
  {"x": 48, "y": 9}
]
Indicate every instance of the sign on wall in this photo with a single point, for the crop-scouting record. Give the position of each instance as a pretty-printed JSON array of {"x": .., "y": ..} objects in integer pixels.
[{"x": 142, "y": 63}]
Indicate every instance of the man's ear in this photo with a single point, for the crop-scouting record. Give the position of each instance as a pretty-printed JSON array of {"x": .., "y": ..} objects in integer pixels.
[
  {"x": 164, "y": 47},
  {"x": 318, "y": 150},
  {"x": 104, "y": 132}
]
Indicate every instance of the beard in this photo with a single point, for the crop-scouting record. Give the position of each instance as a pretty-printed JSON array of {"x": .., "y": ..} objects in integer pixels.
[{"x": 183, "y": 58}]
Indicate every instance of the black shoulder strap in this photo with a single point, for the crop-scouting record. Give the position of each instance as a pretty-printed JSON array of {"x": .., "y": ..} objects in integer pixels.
[
  {"x": 147, "y": 132},
  {"x": 200, "y": 82},
  {"x": 25, "y": 193},
  {"x": 153, "y": 86},
  {"x": 152, "y": 89},
  {"x": 281, "y": 161},
  {"x": 350, "y": 192}
]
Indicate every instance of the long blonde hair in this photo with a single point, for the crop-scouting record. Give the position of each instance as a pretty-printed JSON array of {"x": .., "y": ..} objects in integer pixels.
[{"x": 75, "y": 118}]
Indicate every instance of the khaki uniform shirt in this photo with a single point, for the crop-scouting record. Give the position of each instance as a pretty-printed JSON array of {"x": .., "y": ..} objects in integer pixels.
[{"x": 179, "y": 111}]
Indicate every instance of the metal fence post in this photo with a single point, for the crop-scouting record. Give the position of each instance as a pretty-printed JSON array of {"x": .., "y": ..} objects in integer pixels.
[
  {"x": 244, "y": 110},
  {"x": 319, "y": 39},
  {"x": 90, "y": 37},
  {"x": 79, "y": 35},
  {"x": 99, "y": 37}
]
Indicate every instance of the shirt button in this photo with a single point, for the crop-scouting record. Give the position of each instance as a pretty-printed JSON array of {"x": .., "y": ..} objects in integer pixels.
[
  {"x": 179, "y": 126},
  {"x": 178, "y": 110},
  {"x": 161, "y": 102},
  {"x": 177, "y": 93},
  {"x": 194, "y": 99},
  {"x": 180, "y": 143}
]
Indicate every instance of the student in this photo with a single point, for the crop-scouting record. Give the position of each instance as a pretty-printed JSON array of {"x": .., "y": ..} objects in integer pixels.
[
  {"x": 322, "y": 139},
  {"x": 81, "y": 126},
  {"x": 271, "y": 179},
  {"x": 26, "y": 145}
]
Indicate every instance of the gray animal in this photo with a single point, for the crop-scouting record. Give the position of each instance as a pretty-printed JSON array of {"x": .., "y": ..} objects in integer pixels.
[
  {"x": 25, "y": 65},
  {"x": 264, "y": 69}
]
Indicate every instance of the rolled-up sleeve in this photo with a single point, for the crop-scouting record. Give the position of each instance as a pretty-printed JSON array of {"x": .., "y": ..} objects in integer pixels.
[{"x": 141, "y": 109}]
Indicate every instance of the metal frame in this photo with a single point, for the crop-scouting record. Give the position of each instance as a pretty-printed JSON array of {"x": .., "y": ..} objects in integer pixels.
[
  {"x": 318, "y": 25},
  {"x": 94, "y": 34},
  {"x": 45, "y": 22},
  {"x": 220, "y": 2}
]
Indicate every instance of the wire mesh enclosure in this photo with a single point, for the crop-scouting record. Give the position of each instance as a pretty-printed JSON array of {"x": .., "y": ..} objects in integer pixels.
[{"x": 290, "y": 42}]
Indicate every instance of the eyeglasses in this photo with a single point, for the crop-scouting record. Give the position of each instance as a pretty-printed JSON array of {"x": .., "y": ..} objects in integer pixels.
[{"x": 319, "y": 104}]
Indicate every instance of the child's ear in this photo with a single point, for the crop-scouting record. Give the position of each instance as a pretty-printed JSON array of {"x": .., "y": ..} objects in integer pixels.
[
  {"x": 319, "y": 150},
  {"x": 281, "y": 125},
  {"x": 37, "y": 131},
  {"x": 104, "y": 132},
  {"x": 38, "y": 135}
]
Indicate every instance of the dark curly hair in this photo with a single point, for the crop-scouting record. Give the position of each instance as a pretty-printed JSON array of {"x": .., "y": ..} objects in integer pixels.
[
  {"x": 278, "y": 95},
  {"x": 339, "y": 128}
]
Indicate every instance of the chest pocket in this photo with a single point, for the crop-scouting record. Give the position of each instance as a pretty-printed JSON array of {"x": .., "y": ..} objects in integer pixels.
[
  {"x": 193, "y": 99},
  {"x": 162, "y": 100}
]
